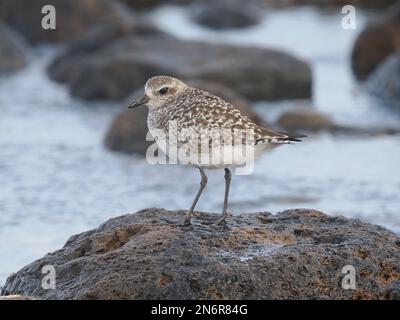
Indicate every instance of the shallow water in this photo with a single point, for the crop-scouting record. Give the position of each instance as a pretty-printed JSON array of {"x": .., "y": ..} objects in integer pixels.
[{"x": 57, "y": 179}]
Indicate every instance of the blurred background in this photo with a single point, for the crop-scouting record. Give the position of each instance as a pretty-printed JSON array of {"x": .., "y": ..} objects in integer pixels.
[{"x": 72, "y": 155}]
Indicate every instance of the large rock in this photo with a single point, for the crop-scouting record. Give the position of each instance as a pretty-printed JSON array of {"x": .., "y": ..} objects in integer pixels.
[
  {"x": 296, "y": 254},
  {"x": 375, "y": 43},
  {"x": 72, "y": 17},
  {"x": 12, "y": 50},
  {"x": 116, "y": 70},
  {"x": 128, "y": 130},
  {"x": 226, "y": 14}
]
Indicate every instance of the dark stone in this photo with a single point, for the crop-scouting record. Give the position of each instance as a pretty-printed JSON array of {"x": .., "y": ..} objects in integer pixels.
[
  {"x": 376, "y": 42},
  {"x": 127, "y": 132},
  {"x": 148, "y": 256},
  {"x": 305, "y": 119},
  {"x": 124, "y": 65}
]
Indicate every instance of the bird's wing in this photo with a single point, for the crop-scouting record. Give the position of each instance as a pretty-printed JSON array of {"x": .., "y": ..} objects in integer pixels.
[{"x": 210, "y": 112}]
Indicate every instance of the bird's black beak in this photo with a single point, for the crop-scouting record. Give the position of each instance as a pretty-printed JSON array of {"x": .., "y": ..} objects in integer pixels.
[{"x": 137, "y": 103}]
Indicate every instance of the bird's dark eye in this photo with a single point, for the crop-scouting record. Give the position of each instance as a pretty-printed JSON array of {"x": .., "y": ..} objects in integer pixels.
[{"x": 163, "y": 90}]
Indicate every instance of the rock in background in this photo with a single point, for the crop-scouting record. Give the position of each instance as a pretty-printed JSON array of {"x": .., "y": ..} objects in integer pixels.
[
  {"x": 376, "y": 42},
  {"x": 296, "y": 254},
  {"x": 113, "y": 72}
]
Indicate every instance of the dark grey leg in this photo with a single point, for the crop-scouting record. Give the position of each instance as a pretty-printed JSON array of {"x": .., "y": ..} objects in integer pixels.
[
  {"x": 228, "y": 178},
  {"x": 204, "y": 179}
]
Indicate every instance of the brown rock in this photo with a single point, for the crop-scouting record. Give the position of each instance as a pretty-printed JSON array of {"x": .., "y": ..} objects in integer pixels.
[
  {"x": 305, "y": 119},
  {"x": 376, "y": 42},
  {"x": 127, "y": 132},
  {"x": 296, "y": 254}
]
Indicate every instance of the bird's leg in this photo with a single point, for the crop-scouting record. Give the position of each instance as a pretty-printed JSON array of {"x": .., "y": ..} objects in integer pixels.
[
  {"x": 204, "y": 179},
  {"x": 228, "y": 178}
]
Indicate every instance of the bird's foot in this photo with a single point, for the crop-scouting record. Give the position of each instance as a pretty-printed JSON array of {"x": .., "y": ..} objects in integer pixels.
[
  {"x": 221, "y": 220},
  {"x": 186, "y": 220}
]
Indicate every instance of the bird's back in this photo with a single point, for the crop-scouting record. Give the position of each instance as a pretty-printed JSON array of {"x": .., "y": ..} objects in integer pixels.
[{"x": 205, "y": 123}]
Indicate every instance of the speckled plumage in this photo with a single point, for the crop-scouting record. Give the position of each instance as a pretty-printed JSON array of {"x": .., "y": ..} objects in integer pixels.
[
  {"x": 211, "y": 132},
  {"x": 197, "y": 112}
]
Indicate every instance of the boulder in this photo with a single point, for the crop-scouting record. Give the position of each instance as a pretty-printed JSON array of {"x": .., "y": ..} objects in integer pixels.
[
  {"x": 124, "y": 65},
  {"x": 308, "y": 119},
  {"x": 128, "y": 130},
  {"x": 226, "y": 14},
  {"x": 73, "y": 17},
  {"x": 375, "y": 43},
  {"x": 295, "y": 254},
  {"x": 12, "y": 50}
]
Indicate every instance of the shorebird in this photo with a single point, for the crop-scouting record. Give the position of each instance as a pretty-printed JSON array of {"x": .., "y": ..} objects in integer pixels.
[{"x": 209, "y": 133}]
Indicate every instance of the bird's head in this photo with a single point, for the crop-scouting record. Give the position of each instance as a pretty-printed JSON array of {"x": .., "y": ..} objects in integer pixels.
[{"x": 160, "y": 91}]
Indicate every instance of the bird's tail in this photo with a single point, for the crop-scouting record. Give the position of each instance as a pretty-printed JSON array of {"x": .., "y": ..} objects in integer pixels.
[{"x": 276, "y": 137}]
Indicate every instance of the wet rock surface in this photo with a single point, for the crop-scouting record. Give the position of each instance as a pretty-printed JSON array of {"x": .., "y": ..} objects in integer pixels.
[{"x": 295, "y": 254}]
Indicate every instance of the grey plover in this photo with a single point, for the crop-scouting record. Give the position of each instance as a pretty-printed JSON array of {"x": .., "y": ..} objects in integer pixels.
[{"x": 204, "y": 131}]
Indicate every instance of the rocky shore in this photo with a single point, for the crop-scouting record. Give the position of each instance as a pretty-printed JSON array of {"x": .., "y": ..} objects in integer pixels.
[{"x": 295, "y": 254}]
